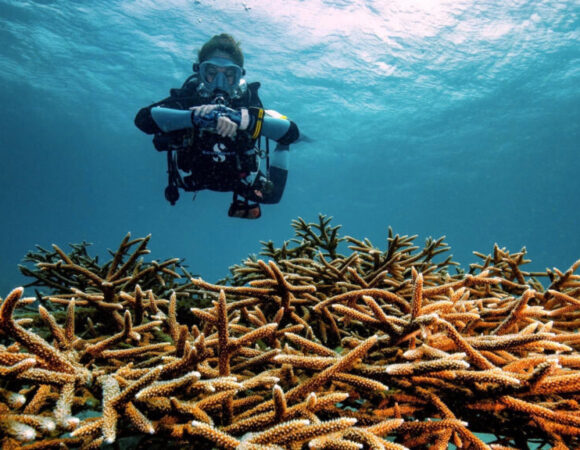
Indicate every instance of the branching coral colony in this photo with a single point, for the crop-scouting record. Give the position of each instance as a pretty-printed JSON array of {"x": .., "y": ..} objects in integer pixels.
[{"x": 379, "y": 349}]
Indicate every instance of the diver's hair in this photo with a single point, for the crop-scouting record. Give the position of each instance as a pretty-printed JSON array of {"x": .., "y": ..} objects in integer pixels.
[{"x": 225, "y": 43}]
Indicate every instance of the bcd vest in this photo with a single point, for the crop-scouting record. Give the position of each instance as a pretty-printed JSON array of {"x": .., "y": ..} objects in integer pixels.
[{"x": 214, "y": 162}]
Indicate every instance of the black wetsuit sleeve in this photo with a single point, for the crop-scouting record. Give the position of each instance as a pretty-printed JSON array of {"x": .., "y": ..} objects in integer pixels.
[
  {"x": 179, "y": 99},
  {"x": 291, "y": 135},
  {"x": 144, "y": 121}
]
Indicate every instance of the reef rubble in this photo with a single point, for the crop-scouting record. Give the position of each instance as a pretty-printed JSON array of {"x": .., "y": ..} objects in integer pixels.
[{"x": 326, "y": 342}]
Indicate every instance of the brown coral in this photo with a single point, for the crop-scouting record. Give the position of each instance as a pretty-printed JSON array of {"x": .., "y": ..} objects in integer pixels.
[{"x": 373, "y": 349}]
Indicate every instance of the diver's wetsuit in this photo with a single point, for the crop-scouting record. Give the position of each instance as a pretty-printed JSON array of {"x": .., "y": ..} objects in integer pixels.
[{"x": 221, "y": 163}]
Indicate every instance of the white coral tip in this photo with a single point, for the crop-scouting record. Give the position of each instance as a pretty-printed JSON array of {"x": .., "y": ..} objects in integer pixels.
[
  {"x": 16, "y": 400},
  {"x": 22, "y": 432},
  {"x": 47, "y": 425},
  {"x": 71, "y": 422},
  {"x": 27, "y": 435}
]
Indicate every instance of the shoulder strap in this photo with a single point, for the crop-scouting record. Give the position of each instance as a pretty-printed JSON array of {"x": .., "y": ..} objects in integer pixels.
[
  {"x": 188, "y": 88},
  {"x": 254, "y": 98}
]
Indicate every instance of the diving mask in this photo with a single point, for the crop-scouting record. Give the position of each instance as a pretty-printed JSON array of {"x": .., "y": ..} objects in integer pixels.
[{"x": 220, "y": 74}]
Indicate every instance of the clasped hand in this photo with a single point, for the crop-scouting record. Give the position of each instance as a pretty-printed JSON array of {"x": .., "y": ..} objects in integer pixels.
[{"x": 225, "y": 127}]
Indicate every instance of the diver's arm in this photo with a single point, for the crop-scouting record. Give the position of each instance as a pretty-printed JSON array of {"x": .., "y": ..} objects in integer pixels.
[
  {"x": 273, "y": 125},
  {"x": 224, "y": 121},
  {"x": 144, "y": 120},
  {"x": 168, "y": 119},
  {"x": 255, "y": 121},
  {"x": 284, "y": 132},
  {"x": 179, "y": 99}
]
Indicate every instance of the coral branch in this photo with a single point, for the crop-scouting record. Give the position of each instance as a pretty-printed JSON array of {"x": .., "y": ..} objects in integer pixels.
[{"x": 307, "y": 349}]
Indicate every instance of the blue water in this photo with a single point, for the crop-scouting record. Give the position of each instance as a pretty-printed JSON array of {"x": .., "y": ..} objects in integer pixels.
[{"x": 457, "y": 118}]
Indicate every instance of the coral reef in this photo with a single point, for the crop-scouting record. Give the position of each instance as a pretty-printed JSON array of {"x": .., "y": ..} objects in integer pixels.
[{"x": 307, "y": 347}]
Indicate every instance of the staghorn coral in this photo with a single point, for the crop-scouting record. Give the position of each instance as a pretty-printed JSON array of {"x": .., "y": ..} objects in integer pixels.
[
  {"x": 370, "y": 349},
  {"x": 126, "y": 281}
]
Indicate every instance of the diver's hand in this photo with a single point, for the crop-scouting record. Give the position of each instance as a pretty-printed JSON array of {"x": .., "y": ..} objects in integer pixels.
[
  {"x": 203, "y": 110},
  {"x": 225, "y": 127}
]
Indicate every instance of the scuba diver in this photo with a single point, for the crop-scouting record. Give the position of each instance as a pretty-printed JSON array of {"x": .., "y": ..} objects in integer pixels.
[{"x": 211, "y": 129}]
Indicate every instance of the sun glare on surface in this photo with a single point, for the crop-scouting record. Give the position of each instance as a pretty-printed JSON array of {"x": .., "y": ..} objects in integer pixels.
[{"x": 396, "y": 17}]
